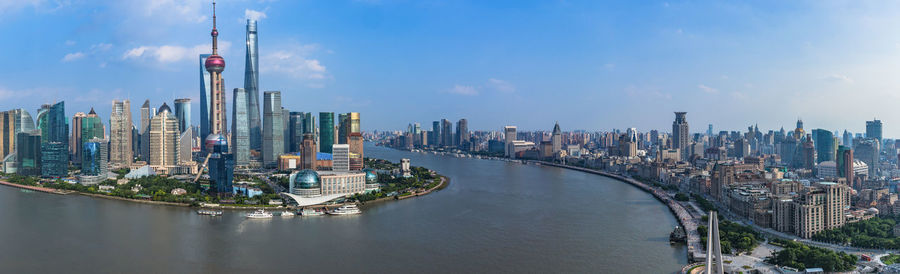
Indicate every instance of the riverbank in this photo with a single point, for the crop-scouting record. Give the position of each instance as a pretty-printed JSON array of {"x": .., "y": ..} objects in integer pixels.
[
  {"x": 37, "y": 188},
  {"x": 444, "y": 182}
]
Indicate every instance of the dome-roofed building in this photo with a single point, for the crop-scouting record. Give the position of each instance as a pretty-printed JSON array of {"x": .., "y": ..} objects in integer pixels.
[
  {"x": 162, "y": 109},
  {"x": 306, "y": 183},
  {"x": 371, "y": 179}
]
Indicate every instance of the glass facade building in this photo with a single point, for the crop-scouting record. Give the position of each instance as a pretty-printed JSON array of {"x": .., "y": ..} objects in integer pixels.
[
  {"x": 54, "y": 141},
  {"x": 824, "y": 142},
  {"x": 326, "y": 131},
  {"x": 28, "y": 153},
  {"x": 183, "y": 113},
  {"x": 240, "y": 128},
  {"x": 221, "y": 165},
  {"x": 94, "y": 157},
  {"x": 251, "y": 84},
  {"x": 273, "y": 128},
  {"x": 205, "y": 96},
  {"x": 296, "y": 131}
]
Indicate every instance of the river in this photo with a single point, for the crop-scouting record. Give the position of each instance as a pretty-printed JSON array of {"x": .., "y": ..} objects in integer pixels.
[{"x": 493, "y": 217}]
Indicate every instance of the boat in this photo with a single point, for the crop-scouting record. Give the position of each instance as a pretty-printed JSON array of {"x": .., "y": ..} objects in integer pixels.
[
  {"x": 209, "y": 212},
  {"x": 287, "y": 214},
  {"x": 311, "y": 212},
  {"x": 345, "y": 210},
  {"x": 677, "y": 236},
  {"x": 260, "y": 214}
]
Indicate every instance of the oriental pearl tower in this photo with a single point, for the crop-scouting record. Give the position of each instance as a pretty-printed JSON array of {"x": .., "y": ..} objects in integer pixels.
[{"x": 215, "y": 64}]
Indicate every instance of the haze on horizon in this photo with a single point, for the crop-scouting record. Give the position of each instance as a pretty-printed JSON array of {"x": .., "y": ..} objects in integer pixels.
[{"x": 588, "y": 64}]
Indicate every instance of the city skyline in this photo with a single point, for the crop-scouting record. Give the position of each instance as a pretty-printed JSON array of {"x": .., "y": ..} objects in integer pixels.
[{"x": 123, "y": 50}]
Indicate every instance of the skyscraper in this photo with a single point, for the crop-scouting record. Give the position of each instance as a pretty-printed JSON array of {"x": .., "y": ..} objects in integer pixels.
[
  {"x": 309, "y": 152},
  {"x": 286, "y": 129},
  {"x": 556, "y": 138},
  {"x": 340, "y": 157},
  {"x": 343, "y": 128},
  {"x": 326, "y": 131},
  {"x": 163, "y": 138},
  {"x": 873, "y": 129},
  {"x": 446, "y": 133},
  {"x": 11, "y": 123},
  {"x": 28, "y": 153},
  {"x": 146, "y": 115},
  {"x": 356, "y": 151},
  {"x": 354, "y": 123},
  {"x": 510, "y": 133},
  {"x": 251, "y": 85},
  {"x": 215, "y": 64},
  {"x": 845, "y": 164},
  {"x": 94, "y": 164},
  {"x": 824, "y": 142},
  {"x": 183, "y": 113},
  {"x": 75, "y": 141},
  {"x": 436, "y": 133},
  {"x": 221, "y": 164},
  {"x": 89, "y": 127},
  {"x": 120, "y": 137},
  {"x": 273, "y": 139},
  {"x": 462, "y": 133},
  {"x": 54, "y": 141},
  {"x": 205, "y": 97},
  {"x": 680, "y": 134},
  {"x": 295, "y": 128},
  {"x": 240, "y": 127}
]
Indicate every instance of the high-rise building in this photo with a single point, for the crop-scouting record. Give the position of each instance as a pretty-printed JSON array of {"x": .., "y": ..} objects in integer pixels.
[
  {"x": 356, "y": 151},
  {"x": 808, "y": 153},
  {"x": 163, "y": 138},
  {"x": 251, "y": 85},
  {"x": 94, "y": 163},
  {"x": 873, "y": 129},
  {"x": 146, "y": 115},
  {"x": 680, "y": 134},
  {"x": 28, "y": 153},
  {"x": 462, "y": 133},
  {"x": 286, "y": 129},
  {"x": 295, "y": 128},
  {"x": 867, "y": 150},
  {"x": 221, "y": 164},
  {"x": 556, "y": 139},
  {"x": 215, "y": 64},
  {"x": 183, "y": 113},
  {"x": 340, "y": 157},
  {"x": 845, "y": 164},
  {"x": 120, "y": 133},
  {"x": 309, "y": 123},
  {"x": 75, "y": 141},
  {"x": 54, "y": 140},
  {"x": 186, "y": 146},
  {"x": 273, "y": 139},
  {"x": 11, "y": 123},
  {"x": 847, "y": 139},
  {"x": 89, "y": 127},
  {"x": 205, "y": 97},
  {"x": 819, "y": 208},
  {"x": 240, "y": 127},
  {"x": 354, "y": 123},
  {"x": 436, "y": 133},
  {"x": 326, "y": 131},
  {"x": 824, "y": 141},
  {"x": 510, "y": 135},
  {"x": 308, "y": 152},
  {"x": 343, "y": 128},
  {"x": 446, "y": 133}
]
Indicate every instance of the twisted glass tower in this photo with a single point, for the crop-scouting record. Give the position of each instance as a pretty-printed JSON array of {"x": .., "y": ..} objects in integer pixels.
[{"x": 251, "y": 85}]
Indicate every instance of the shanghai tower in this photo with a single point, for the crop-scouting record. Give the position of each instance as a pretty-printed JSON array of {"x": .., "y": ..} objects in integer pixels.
[{"x": 251, "y": 85}]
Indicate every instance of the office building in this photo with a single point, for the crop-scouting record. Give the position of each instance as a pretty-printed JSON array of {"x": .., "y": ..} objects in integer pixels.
[
  {"x": 240, "y": 127},
  {"x": 251, "y": 85},
  {"x": 286, "y": 130},
  {"x": 94, "y": 163},
  {"x": 75, "y": 140},
  {"x": 163, "y": 139},
  {"x": 221, "y": 165},
  {"x": 28, "y": 153},
  {"x": 446, "y": 133},
  {"x": 873, "y": 129},
  {"x": 680, "y": 134},
  {"x": 343, "y": 128},
  {"x": 326, "y": 131},
  {"x": 273, "y": 139},
  {"x": 54, "y": 140},
  {"x": 120, "y": 133},
  {"x": 310, "y": 157},
  {"x": 556, "y": 139},
  {"x": 867, "y": 150},
  {"x": 186, "y": 147},
  {"x": 11, "y": 123},
  {"x": 146, "y": 114},
  {"x": 510, "y": 134},
  {"x": 462, "y": 134},
  {"x": 356, "y": 151},
  {"x": 85, "y": 128},
  {"x": 340, "y": 157},
  {"x": 205, "y": 97},
  {"x": 436, "y": 133},
  {"x": 183, "y": 113},
  {"x": 824, "y": 141}
]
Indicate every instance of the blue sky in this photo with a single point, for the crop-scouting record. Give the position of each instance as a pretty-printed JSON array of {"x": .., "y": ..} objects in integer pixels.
[{"x": 592, "y": 65}]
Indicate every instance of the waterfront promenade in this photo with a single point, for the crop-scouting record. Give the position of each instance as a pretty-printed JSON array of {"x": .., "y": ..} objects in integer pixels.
[
  {"x": 695, "y": 247},
  {"x": 37, "y": 188}
]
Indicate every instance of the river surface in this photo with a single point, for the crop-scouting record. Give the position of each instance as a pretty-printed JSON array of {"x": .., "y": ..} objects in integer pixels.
[{"x": 493, "y": 217}]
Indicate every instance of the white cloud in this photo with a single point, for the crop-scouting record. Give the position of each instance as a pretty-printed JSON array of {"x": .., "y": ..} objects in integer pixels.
[
  {"x": 707, "y": 89},
  {"x": 101, "y": 47},
  {"x": 254, "y": 14},
  {"x": 70, "y": 43},
  {"x": 463, "y": 90},
  {"x": 739, "y": 95},
  {"x": 294, "y": 61},
  {"x": 172, "y": 53},
  {"x": 9, "y": 6},
  {"x": 501, "y": 85},
  {"x": 73, "y": 56},
  {"x": 609, "y": 66},
  {"x": 177, "y": 10},
  {"x": 839, "y": 78}
]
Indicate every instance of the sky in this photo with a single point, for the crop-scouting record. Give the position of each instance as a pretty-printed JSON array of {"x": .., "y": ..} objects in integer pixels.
[{"x": 592, "y": 65}]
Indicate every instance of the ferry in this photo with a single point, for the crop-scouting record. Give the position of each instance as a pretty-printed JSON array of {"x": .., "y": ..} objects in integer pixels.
[
  {"x": 345, "y": 210},
  {"x": 311, "y": 212},
  {"x": 287, "y": 214},
  {"x": 260, "y": 214},
  {"x": 677, "y": 236},
  {"x": 209, "y": 212}
]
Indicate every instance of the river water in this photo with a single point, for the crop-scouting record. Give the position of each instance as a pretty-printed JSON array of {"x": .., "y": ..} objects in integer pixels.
[{"x": 493, "y": 217}]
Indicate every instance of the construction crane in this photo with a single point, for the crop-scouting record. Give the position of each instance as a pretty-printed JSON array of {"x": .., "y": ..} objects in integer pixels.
[{"x": 203, "y": 166}]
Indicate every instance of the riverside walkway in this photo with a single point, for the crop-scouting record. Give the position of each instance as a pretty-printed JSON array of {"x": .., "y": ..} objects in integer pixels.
[
  {"x": 695, "y": 248},
  {"x": 37, "y": 188}
]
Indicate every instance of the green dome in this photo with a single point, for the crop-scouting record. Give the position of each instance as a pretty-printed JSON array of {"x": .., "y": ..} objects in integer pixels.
[
  {"x": 371, "y": 177},
  {"x": 307, "y": 179}
]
